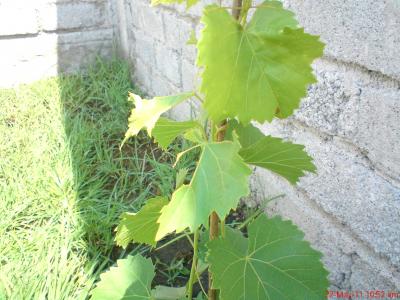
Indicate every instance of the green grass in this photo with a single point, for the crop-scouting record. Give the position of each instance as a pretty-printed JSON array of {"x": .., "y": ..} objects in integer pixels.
[{"x": 64, "y": 181}]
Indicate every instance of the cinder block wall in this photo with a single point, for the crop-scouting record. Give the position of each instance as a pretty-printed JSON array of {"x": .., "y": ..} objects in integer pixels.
[
  {"x": 350, "y": 124},
  {"x": 40, "y": 38}
]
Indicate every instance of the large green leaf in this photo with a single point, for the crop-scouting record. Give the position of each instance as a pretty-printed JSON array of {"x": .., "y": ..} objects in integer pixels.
[
  {"x": 257, "y": 71},
  {"x": 142, "y": 226},
  {"x": 274, "y": 263},
  {"x": 218, "y": 182},
  {"x": 284, "y": 158},
  {"x": 129, "y": 280},
  {"x": 165, "y": 130},
  {"x": 189, "y": 3},
  {"x": 146, "y": 112}
]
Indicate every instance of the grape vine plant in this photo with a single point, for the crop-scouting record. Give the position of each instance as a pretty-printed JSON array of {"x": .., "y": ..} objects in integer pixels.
[{"x": 255, "y": 64}]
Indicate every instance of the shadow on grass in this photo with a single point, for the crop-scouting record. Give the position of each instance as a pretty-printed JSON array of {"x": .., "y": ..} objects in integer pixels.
[{"x": 107, "y": 180}]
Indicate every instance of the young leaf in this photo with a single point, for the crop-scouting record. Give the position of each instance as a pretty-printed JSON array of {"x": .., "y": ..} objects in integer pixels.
[
  {"x": 218, "y": 182},
  {"x": 147, "y": 112},
  {"x": 189, "y": 3},
  {"x": 247, "y": 70},
  {"x": 129, "y": 280},
  {"x": 284, "y": 158},
  {"x": 273, "y": 263},
  {"x": 165, "y": 130},
  {"x": 142, "y": 226}
]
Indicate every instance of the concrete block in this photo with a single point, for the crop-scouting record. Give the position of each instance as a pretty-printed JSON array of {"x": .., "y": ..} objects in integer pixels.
[
  {"x": 361, "y": 278},
  {"x": 343, "y": 254},
  {"x": 346, "y": 187},
  {"x": 101, "y": 35},
  {"x": 162, "y": 87},
  {"x": 332, "y": 103},
  {"x": 144, "y": 47},
  {"x": 18, "y": 18},
  {"x": 365, "y": 32},
  {"x": 132, "y": 11},
  {"x": 150, "y": 21},
  {"x": 189, "y": 52},
  {"x": 28, "y": 59},
  {"x": 143, "y": 76},
  {"x": 196, "y": 11},
  {"x": 75, "y": 15},
  {"x": 190, "y": 78},
  {"x": 378, "y": 127},
  {"x": 184, "y": 111},
  {"x": 121, "y": 13},
  {"x": 358, "y": 106},
  {"x": 77, "y": 50},
  {"x": 76, "y": 57},
  {"x": 177, "y": 29},
  {"x": 168, "y": 63}
]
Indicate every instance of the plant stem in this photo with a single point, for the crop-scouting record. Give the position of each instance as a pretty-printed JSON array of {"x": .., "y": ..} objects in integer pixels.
[
  {"x": 194, "y": 264},
  {"x": 214, "y": 224},
  {"x": 237, "y": 7},
  {"x": 223, "y": 228},
  {"x": 214, "y": 220}
]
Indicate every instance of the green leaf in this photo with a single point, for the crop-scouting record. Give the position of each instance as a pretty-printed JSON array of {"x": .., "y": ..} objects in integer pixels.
[
  {"x": 195, "y": 135},
  {"x": 284, "y": 158},
  {"x": 129, "y": 280},
  {"x": 161, "y": 292},
  {"x": 273, "y": 263},
  {"x": 142, "y": 226},
  {"x": 189, "y": 3},
  {"x": 165, "y": 130},
  {"x": 218, "y": 182},
  {"x": 248, "y": 134},
  {"x": 257, "y": 71},
  {"x": 146, "y": 112}
]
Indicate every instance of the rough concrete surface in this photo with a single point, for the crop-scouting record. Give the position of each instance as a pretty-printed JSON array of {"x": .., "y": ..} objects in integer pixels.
[{"x": 365, "y": 32}]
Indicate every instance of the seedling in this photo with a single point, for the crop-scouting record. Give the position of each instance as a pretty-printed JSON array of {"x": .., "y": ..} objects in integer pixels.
[{"x": 252, "y": 71}]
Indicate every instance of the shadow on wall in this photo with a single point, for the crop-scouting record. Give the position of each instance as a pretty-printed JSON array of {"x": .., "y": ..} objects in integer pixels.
[{"x": 84, "y": 31}]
